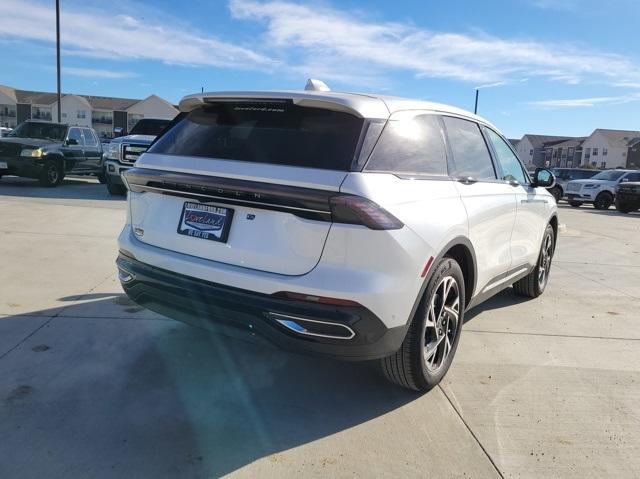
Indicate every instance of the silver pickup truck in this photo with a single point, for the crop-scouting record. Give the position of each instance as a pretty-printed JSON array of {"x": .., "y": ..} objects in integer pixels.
[{"x": 125, "y": 150}]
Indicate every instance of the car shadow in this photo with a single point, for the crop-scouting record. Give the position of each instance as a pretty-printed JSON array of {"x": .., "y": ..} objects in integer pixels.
[
  {"x": 503, "y": 299},
  {"x": 72, "y": 187},
  {"x": 157, "y": 398}
]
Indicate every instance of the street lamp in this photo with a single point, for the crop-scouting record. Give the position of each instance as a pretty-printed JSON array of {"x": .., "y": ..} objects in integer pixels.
[
  {"x": 58, "y": 58},
  {"x": 475, "y": 108}
]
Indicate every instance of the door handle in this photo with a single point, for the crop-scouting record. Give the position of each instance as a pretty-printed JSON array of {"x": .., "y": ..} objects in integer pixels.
[{"x": 467, "y": 180}]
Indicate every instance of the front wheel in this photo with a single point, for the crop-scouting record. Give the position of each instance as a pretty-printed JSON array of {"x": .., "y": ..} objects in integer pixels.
[
  {"x": 535, "y": 282},
  {"x": 622, "y": 207},
  {"x": 52, "y": 173},
  {"x": 431, "y": 341},
  {"x": 114, "y": 188},
  {"x": 102, "y": 178}
]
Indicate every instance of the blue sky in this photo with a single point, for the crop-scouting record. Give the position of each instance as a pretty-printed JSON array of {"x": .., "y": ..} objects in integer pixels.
[{"x": 560, "y": 67}]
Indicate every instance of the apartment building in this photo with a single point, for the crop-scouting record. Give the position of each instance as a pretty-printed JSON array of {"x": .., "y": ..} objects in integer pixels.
[
  {"x": 104, "y": 114},
  {"x": 532, "y": 149},
  {"x": 609, "y": 148}
]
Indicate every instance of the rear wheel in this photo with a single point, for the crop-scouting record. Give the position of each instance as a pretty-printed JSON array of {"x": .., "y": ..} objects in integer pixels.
[
  {"x": 534, "y": 283},
  {"x": 603, "y": 201},
  {"x": 428, "y": 349},
  {"x": 52, "y": 173},
  {"x": 575, "y": 204},
  {"x": 114, "y": 188}
]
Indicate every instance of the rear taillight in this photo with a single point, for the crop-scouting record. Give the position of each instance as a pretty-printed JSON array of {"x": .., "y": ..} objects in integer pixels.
[{"x": 357, "y": 210}]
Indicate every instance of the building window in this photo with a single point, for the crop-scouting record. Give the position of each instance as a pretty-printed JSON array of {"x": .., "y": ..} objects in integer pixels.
[
  {"x": 102, "y": 117},
  {"x": 604, "y": 152},
  {"x": 530, "y": 152},
  {"x": 64, "y": 115},
  {"x": 595, "y": 152},
  {"x": 7, "y": 111},
  {"x": 603, "y": 165},
  {"x": 41, "y": 113},
  {"x": 81, "y": 114}
]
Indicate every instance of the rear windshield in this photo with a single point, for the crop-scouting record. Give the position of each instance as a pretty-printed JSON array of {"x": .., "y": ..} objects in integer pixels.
[{"x": 279, "y": 133}]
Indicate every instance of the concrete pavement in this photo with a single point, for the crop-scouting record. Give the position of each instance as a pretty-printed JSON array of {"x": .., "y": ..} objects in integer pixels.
[{"x": 93, "y": 386}]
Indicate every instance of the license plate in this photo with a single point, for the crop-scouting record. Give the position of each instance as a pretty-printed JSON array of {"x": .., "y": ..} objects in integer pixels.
[
  {"x": 208, "y": 222},
  {"x": 3, "y": 165}
]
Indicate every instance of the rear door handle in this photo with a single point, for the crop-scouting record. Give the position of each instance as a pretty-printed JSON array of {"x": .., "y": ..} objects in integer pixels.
[{"x": 468, "y": 180}]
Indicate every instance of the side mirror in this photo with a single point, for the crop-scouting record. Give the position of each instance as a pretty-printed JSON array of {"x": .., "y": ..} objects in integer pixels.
[
  {"x": 72, "y": 141},
  {"x": 544, "y": 178}
]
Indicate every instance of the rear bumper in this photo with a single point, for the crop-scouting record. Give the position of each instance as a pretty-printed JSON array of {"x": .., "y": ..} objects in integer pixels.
[{"x": 218, "y": 307}]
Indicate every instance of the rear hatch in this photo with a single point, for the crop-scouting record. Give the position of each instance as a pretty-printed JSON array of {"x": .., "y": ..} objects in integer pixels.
[{"x": 245, "y": 182}]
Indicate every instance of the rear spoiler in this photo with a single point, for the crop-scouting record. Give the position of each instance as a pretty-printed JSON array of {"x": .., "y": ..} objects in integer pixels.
[{"x": 362, "y": 106}]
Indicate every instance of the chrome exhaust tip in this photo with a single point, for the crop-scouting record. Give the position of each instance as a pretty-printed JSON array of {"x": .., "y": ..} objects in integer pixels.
[{"x": 313, "y": 327}]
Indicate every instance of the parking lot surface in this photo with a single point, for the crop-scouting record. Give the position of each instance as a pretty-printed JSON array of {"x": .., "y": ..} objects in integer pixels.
[{"x": 93, "y": 386}]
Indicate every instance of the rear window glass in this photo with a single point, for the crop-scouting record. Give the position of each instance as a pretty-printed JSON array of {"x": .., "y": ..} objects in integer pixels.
[
  {"x": 411, "y": 145},
  {"x": 470, "y": 155},
  {"x": 279, "y": 133}
]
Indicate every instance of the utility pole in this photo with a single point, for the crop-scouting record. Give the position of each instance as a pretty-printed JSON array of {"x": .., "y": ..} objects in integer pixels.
[
  {"x": 475, "y": 108},
  {"x": 58, "y": 58}
]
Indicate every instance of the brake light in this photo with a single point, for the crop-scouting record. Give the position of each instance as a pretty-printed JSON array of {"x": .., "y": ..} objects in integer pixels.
[
  {"x": 314, "y": 299},
  {"x": 357, "y": 210}
]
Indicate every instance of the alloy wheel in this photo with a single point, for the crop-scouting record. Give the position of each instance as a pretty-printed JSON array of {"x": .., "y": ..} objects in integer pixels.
[
  {"x": 441, "y": 323},
  {"x": 544, "y": 264}
]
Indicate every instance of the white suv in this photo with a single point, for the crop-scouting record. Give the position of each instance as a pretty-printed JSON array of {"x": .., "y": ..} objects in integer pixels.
[
  {"x": 346, "y": 225},
  {"x": 599, "y": 189}
]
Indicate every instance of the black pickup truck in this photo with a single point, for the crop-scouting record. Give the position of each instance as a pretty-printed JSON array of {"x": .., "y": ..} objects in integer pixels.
[{"x": 48, "y": 151}]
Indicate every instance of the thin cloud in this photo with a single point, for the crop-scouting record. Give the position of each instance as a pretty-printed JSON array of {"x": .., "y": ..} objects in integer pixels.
[
  {"x": 305, "y": 32},
  {"x": 105, "y": 34},
  {"x": 584, "y": 102},
  {"x": 97, "y": 73}
]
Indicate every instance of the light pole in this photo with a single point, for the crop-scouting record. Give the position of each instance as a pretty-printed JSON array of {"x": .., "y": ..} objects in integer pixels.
[
  {"x": 475, "y": 108},
  {"x": 58, "y": 58}
]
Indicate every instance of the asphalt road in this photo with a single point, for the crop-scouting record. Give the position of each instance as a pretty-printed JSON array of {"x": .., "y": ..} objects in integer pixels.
[{"x": 93, "y": 386}]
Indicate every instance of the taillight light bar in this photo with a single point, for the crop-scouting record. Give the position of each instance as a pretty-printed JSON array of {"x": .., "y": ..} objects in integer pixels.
[
  {"x": 357, "y": 210},
  {"x": 314, "y": 299}
]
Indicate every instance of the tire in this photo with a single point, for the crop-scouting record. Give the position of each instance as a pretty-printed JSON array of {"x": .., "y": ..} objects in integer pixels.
[
  {"x": 556, "y": 191},
  {"x": 622, "y": 207},
  {"x": 411, "y": 366},
  {"x": 575, "y": 204},
  {"x": 115, "y": 189},
  {"x": 535, "y": 282},
  {"x": 52, "y": 173},
  {"x": 603, "y": 201},
  {"x": 102, "y": 178}
]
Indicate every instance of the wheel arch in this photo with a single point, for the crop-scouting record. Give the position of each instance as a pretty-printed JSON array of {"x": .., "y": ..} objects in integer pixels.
[
  {"x": 460, "y": 249},
  {"x": 553, "y": 221}
]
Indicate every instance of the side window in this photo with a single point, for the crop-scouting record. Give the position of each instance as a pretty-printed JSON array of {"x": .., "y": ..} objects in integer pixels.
[
  {"x": 75, "y": 134},
  {"x": 470, "y": 154},
  {"x": 89, "y": 138},
  {"x": 410, "y": 144},
  {"x": 632, "y": 177},
  {"x": 509, "y": 163}
]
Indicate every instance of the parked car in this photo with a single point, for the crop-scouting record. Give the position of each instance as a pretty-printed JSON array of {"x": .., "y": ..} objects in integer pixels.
[
  {"x": 599, "y": 189},
  {"x": 125, "y": 150},
  {"x": 628, "y": 196},
  {"x": 48, "y": 151},
  {"x": 565, "y": 175},
  {"x": 351, "y": 226},
  {"x": 4, "y": 131}
]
